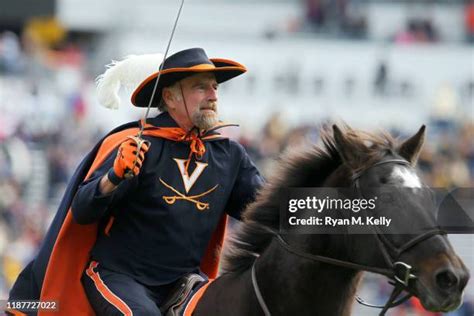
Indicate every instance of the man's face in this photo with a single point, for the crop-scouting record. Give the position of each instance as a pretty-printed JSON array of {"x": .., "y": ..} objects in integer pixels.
[{"x": 200, "y": 93}]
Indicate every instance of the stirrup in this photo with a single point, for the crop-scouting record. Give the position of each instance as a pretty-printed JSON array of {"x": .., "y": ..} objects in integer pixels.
[{"x": 179, "y": 294}]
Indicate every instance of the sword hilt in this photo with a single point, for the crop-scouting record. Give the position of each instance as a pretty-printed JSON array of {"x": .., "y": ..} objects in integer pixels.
[{"x": 128, "y": 174}]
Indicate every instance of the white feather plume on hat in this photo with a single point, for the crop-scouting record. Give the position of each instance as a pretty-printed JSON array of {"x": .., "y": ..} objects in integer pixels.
[{"x": 129, "y": 73}]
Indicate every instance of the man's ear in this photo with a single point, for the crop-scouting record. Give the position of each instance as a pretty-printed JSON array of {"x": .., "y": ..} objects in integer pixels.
[{"x": 168, "y": 97}]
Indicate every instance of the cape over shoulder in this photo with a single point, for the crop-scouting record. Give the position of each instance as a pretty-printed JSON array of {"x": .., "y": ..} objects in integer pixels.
[{"x": 55, "y": 273}]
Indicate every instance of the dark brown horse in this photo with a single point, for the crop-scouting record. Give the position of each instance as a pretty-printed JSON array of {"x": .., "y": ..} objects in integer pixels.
[{"x": 267, "y": 272}]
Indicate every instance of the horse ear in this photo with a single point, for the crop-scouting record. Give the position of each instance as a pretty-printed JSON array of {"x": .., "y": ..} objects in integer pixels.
[
  {"x": 410, "y": 149},
  {"x": 346, "y": 149}
]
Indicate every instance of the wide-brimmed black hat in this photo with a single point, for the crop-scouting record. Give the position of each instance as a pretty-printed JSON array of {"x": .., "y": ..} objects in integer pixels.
[{"x": 181, "y": 65}]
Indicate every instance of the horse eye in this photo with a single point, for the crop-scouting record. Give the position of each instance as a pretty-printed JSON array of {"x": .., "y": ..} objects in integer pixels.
[{"x": 384, "y": 180}]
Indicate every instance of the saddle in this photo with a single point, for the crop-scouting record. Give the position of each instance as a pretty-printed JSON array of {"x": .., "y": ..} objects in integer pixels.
[{"x": 175, "y": 303}]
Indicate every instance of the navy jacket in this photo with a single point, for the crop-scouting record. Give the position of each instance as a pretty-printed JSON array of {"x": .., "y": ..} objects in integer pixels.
[
  {"x": 156, "y": 226},
  {"x": 55, "y": 272}
]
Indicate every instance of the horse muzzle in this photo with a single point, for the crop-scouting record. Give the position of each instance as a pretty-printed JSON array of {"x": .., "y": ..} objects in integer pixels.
[{"x": 443, "y": 291}]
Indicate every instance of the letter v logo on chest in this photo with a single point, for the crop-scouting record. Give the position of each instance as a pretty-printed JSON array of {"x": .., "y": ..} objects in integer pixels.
[{"x": 189, "y": 179}]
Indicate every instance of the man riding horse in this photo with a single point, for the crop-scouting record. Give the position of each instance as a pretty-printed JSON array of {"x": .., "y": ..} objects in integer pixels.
[{"x": 119, "y": 244}]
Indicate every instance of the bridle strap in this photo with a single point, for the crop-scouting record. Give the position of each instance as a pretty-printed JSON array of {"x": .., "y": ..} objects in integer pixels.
[
  {"x": 382, "y": 243},
  {"x": 345, "y": 264},
  {"x": 390, "y": 303},
  {"x": 358, "y": 174},
  {"x": 400, "y": 282},
  {"x": 418, "y": 239},
  {"x": 256, "y": 289},
  {"x": 385, "y": 243},
  {"x": 391, "y": 300}
]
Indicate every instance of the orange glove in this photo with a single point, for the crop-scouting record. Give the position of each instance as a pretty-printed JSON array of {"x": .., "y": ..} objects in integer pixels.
[{"x": 127, "y": 159}]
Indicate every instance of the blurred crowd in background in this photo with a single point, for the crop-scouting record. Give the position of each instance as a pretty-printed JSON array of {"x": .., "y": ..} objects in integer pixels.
[
  {"x": 345, "y": 19},
  {"x": 45, "y": 134}
]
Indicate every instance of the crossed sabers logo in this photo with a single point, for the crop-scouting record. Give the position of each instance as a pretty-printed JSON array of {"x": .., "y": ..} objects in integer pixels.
[{"x": 188, "y": 181}]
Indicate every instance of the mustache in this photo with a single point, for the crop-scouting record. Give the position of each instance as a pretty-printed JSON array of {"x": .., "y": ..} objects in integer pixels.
[{"x": 208, "y": 106}]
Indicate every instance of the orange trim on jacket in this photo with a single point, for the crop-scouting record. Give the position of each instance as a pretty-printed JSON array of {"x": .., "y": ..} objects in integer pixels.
[
  {"x": 106, "y": 292},
  {"x": 70, "y": 254}
]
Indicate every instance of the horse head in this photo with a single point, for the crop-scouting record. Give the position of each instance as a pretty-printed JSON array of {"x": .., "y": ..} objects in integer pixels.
[
  {"x": 323, "y": 268},
  {"x": 413, "y": 243}
]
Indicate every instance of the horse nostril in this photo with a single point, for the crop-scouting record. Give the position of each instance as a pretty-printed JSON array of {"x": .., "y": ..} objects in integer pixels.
[{"x": 446, "y": 280}]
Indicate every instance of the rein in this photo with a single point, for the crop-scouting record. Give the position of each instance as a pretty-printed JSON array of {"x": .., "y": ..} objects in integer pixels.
[{"x": 399, "y": 273}]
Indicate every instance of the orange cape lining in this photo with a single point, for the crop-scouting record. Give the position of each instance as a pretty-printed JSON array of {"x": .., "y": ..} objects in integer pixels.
[{"x": 70, "y": 254}]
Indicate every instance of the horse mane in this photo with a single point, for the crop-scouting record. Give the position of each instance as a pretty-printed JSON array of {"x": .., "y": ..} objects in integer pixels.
[{"x": 306, "y": 168}]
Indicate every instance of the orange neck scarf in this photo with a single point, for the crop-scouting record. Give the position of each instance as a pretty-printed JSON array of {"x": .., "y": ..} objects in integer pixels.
[{"x": 177, "y": 134}]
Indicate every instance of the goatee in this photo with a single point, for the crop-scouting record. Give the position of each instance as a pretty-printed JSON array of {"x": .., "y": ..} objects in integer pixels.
[{"x": 204, "y": 120}]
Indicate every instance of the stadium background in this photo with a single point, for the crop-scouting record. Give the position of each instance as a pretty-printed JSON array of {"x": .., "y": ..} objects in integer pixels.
[{"x": 374, "y": 64}]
